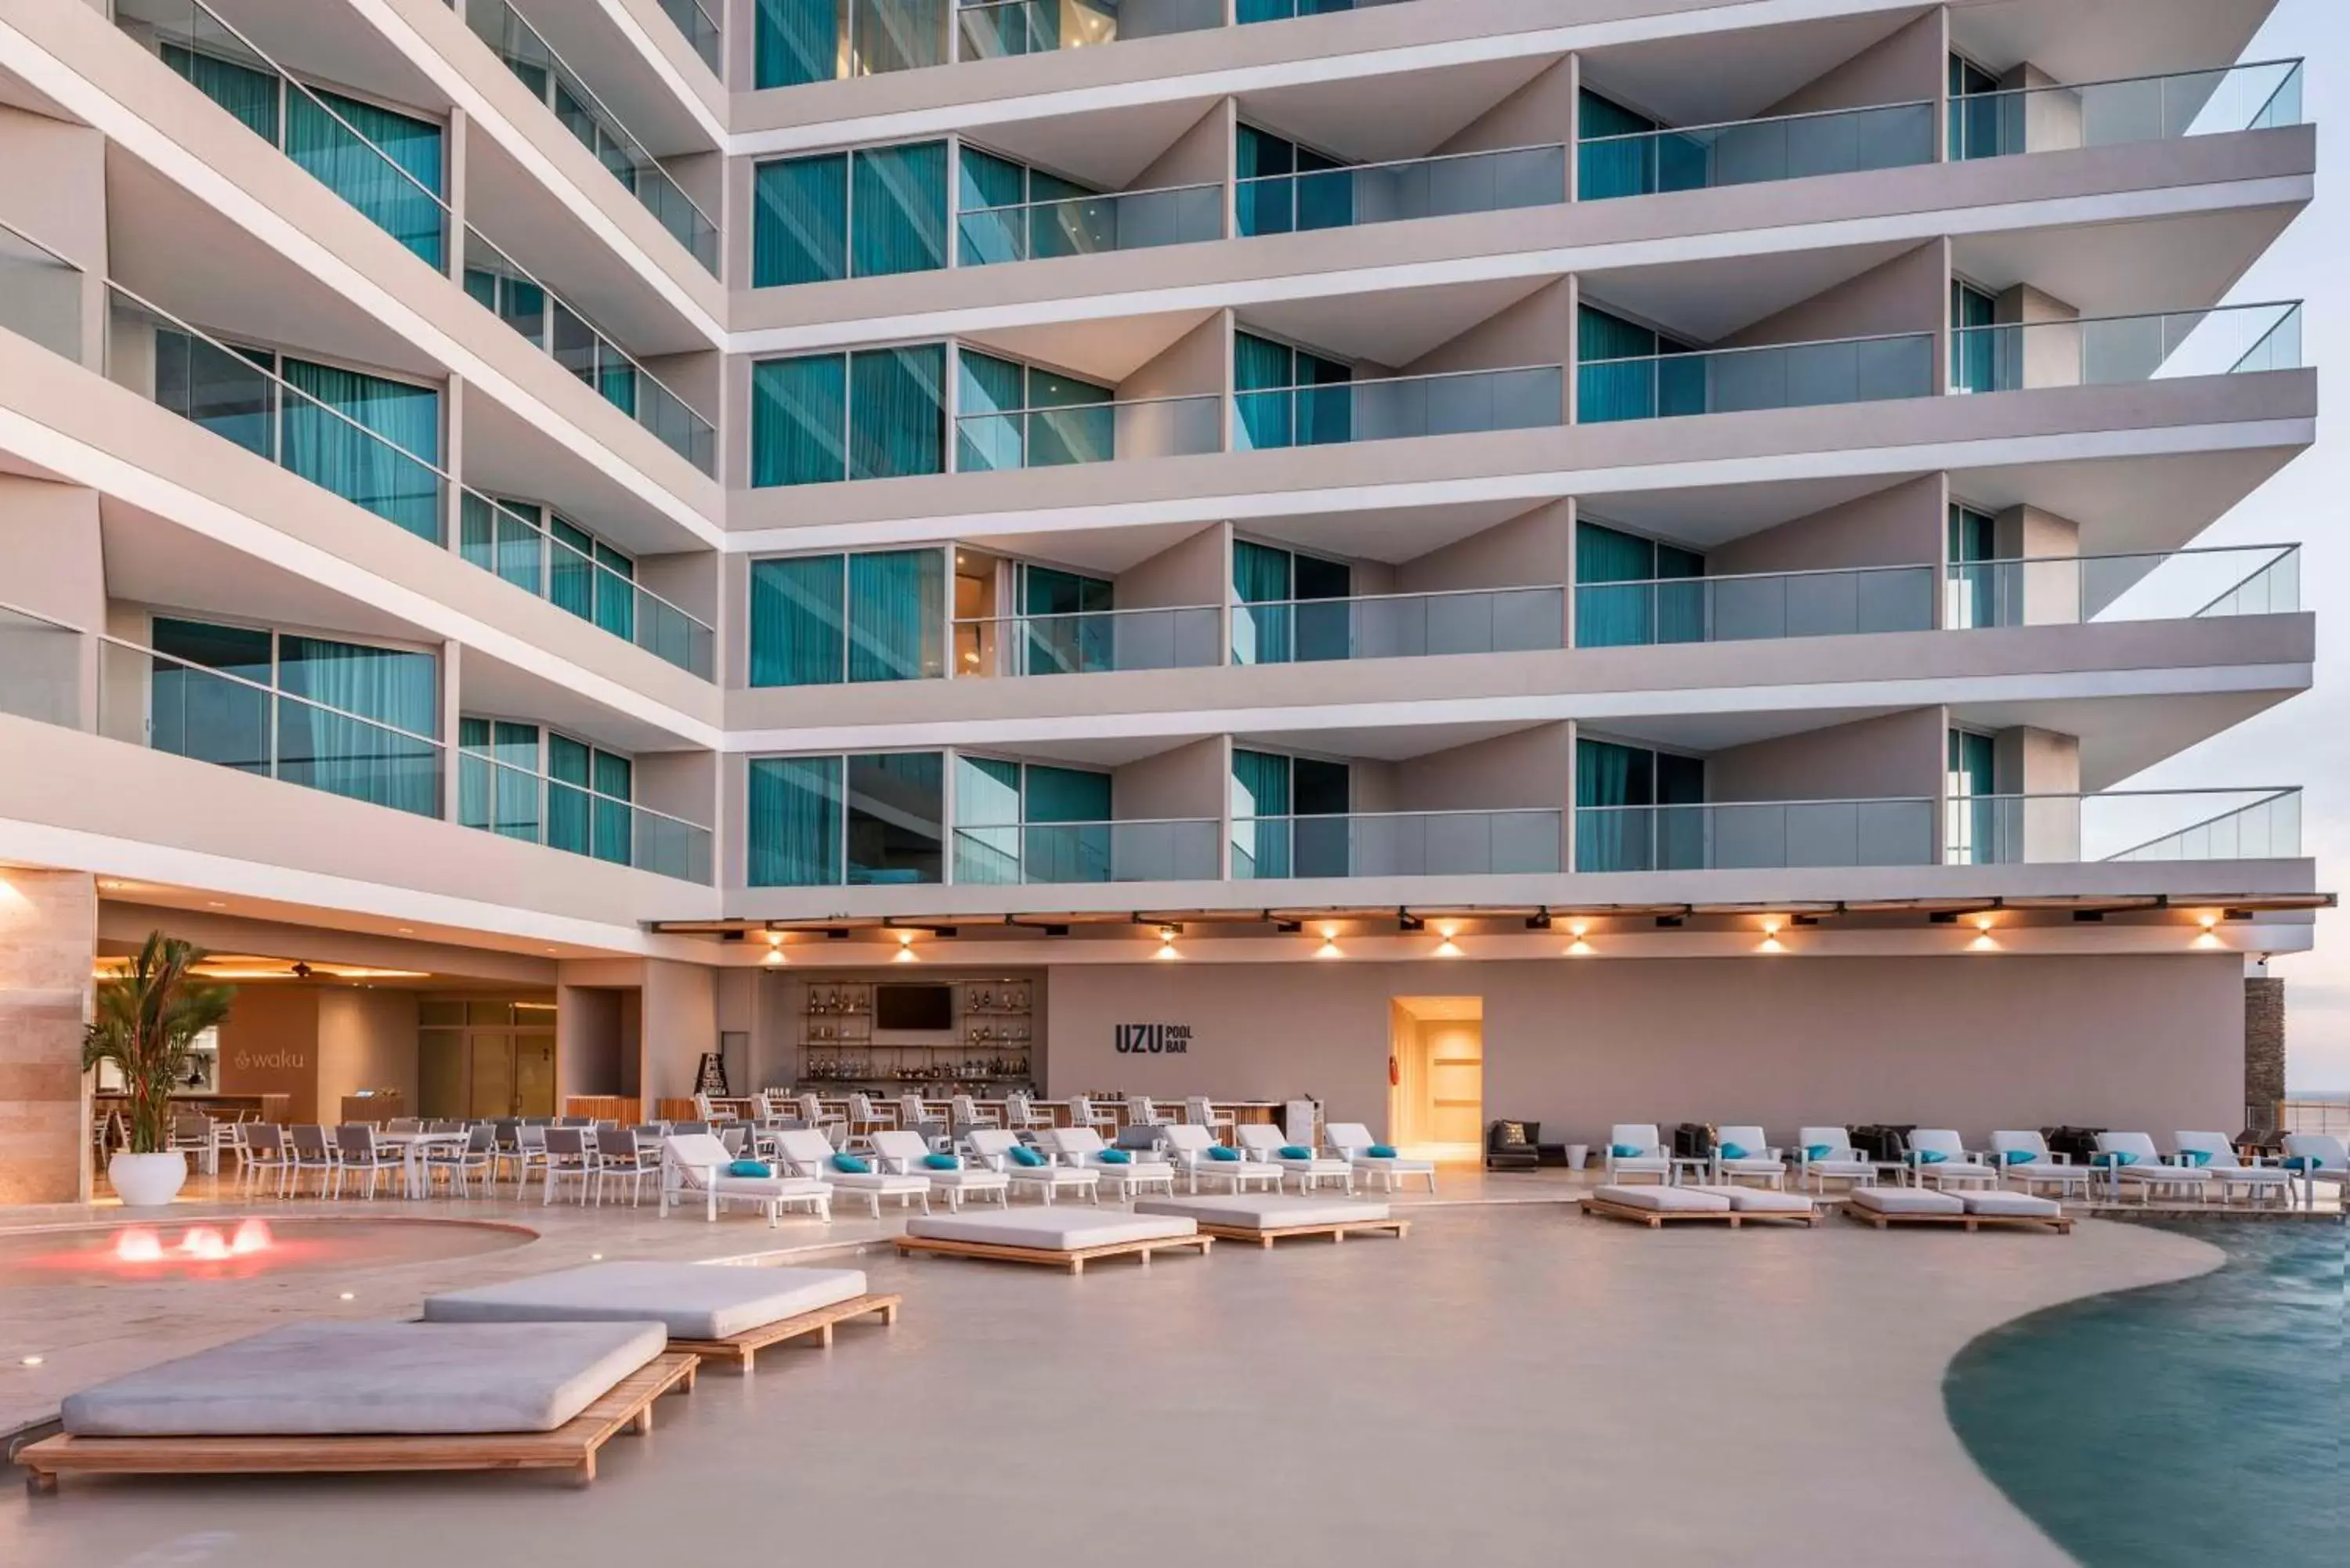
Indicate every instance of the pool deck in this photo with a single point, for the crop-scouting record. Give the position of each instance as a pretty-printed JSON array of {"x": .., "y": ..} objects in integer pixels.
[{"x": 1513, "y": 1375}]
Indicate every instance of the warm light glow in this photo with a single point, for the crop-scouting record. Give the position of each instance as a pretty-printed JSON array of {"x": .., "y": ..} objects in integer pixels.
[
  {"x": 774, "y": 939},
  {"x": 348, "y": 1296},
  {"x": 1983, "y": 923},
  {"x": 905, "y": 939},
  {"x": 1167, "y": 950},
  {"x": 1579, "y": 947},
  {"x": 138, "y": 1245},
  {"x": 905, "y": 955},
  {"x": 1447, "y": 948},
  {"x": 2208, "y": 940},
  {"x": 774, "y": 955},
  {"x": 1578, "y": 930},
  {"x": 1329, "y": 930},
  {"x": 205, "y": 1243},
  {"x": 252, "y": 1236},
  {"x": 1984, "y": 943},
  {"x": 594, "y": 1257},
  {"x": 1770, "y": 943},
  {"x": 1771, "y": 924},
  {"x": 2206, "y": 919},
  {"x": 1329, "y": 948},
  {"x": 30, "y": 1361}
]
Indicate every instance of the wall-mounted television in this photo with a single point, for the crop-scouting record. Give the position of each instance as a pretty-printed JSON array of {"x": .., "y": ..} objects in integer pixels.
[{"x": 913, "y": 1007}]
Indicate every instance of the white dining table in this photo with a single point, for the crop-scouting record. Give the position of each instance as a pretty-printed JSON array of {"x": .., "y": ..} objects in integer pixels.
[{"x": 412, "y": 1147}]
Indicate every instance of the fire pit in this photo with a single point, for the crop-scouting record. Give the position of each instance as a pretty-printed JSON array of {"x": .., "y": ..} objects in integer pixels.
[{"x": 236, "y": 1248}]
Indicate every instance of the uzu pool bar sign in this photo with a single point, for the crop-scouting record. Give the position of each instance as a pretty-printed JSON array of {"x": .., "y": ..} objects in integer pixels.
[{"x": 1153, "y": 1039}]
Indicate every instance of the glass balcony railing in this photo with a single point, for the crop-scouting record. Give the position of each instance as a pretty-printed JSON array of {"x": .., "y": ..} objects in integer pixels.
[
  {"x": 500, "y": 285},
  {"x": 1178, "y": 850},
  {"x": 1754, "y": 151},
  {"x": 2257, "y": 97},
  {"x": 992, "y": 29},
  {"x": 2123, "y": 825},
  {"x": 2075, "y": 590},
  {"x": 1755, "y": 835},
  {"x": 1457, "y": 402},
  {"x": 1090, "y": 642},
  {"x": 153, "y": 699},
  {"x": 41, "y": 675},
  {"x": 1089, "y": 225},
  {"x": 1756, "y": 607},
  {"x": 1392, "y": 192},
  {"x": 528, "y": 54},
  {"x": 517, "y": 803},
  {"x": 40, "y": 293},
  {"x": 1400, "y": 625},
  {"x": 1771, "y": 376},
  {"x": 1246, "y": 11},
  {"x": 222, "y": 389},
  {"x": 397, "y": 187},
  {"x": 1088, "y": 432},
  {"x": 1396, "y": 844},
  {"x": 2118, "y": 350},
  {"x": 701, "y": 31}
]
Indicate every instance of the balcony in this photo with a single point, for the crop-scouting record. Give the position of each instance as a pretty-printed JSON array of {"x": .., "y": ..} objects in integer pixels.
[
  {"x": 1088, "y": 642},
  {"x": 1742, "y": 381},
  {"x": 517, "y": 803},
  {"x": 1088, "y": 432},
  {"x": 701, "y": 31},
  {"x": 528, "y": 54},
  {"x": 2052, "y": 118},
  {"x": 1758, "y": 835},
  {"x": 1754, "y": 607},
  {"x": 1754, "y": 151},
  {"x": 1396, "y": 844},
  {"x": 1089, "y": 225},
  {"x": 1400, "y": 625},
  {"x": 1457, "y": 402},
  {"x": 2077, "y": 590},
  {"x": 222, "y": 389},
  {"x": 2120, "y": 350},
  {"x": 2123, "y": 825},
  {"x": 1363, "y": 193},
  {"x": 1060, "y": 853}
]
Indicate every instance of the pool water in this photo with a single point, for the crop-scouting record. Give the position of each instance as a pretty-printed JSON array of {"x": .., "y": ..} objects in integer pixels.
[
  {"x": 2200, "y": 1422},
  {"x": 98, "y": 1255}
]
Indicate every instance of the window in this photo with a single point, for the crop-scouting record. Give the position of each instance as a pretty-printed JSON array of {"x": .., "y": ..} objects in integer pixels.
[
  {"x": 1973, "y": 594},
  {"x": 1607, "y": 167},
  {"x": 1275, "y": 195},
  {"x": 571, "y": 795},
  {"x": 1657, "y": 601},
  {"x": 1272, "y": 797},
  {"x": 1975, "y": 350},
  {"x": 1010, "y": 415},
  {"x": 1286, "y": 396},
  {"x": 877, "y": 414},
  {"x": 1624, "y": 371},
  {"x": 997, "y": 222},
  {"x": 347, "y": 718},
  {"x": 858, "y": 821},
  {"x": 544, "y": 553},
  {"x": 799, "y": 41},
  {"x": 1624, "y": 798},
  {"x": 817, "y": 620},
  {"x": 1284, "y": 630},
  {"x": 866, "y": 213},
  {"x": 1019, "y": 822},
  {"x": 1072, "y": 632},
  {"x": 370, "y": 439},
  {"x": 1984, "y": 121},
  {"x": 1973, "y": 831}
]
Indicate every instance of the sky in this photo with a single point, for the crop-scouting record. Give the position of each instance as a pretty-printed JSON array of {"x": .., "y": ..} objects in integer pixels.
[{"x": 2305, "y": 741}]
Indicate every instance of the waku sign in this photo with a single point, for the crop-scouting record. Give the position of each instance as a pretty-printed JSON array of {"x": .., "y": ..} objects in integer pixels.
[{"x": 1153, "y": 1039}]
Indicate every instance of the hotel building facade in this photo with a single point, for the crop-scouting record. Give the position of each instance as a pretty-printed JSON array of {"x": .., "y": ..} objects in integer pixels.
[{"x": 1589, "y": 560}]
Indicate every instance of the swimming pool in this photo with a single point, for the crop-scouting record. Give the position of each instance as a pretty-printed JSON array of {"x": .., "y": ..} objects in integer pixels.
[{"x": 2197, "y": 1422}]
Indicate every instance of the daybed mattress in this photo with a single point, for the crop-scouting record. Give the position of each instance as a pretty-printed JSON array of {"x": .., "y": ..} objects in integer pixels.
[{"x": 692, "y": 1301}]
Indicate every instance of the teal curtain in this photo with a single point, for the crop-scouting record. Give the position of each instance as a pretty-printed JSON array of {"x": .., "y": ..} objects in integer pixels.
[
  {"x": 897, "y": 614},
  {"x": 1974, "y": 581},
  {"x": 1680, "y": 595},
  {"x": 799, "y": 420},
  {"x": 614, "y": 838},
  {"x": 250, "y": 95},
  {"x": 1984, "y": 121},
  {"x": 616, "y": 592},
  {"x": 1267, "y": 166},
  {"x": 1070, "y": 632},
  {"x": 1973, "y": 828},
  {"x": 199, "y": 702},
  {"x": 1611, "y": 169},
  {"x": 503, "y": 537},
  {"x": 799, "y": 221},
  {"x": 1607, "y": 775},
  {"x": 799, "y": 629},
  {"x": 499, "y": 778},
  {"x": 1975, "y": 354},
  {"x": 1262, "y": 576},
  {"x": 571, "y": 580},
  {"x": 326, "y": 741},
  {"x": 393, "y": 476},
  {"x": 390, "y": 170},
  {"x": 1613, "y": 617},
  {"x": 1068, "y": 836},
  {"x": 897, "y": 411},
  {"x": 795, "y": 41},
  {"x": 898, "y": 196},
  {"x": 984, "y": 181},
  {"x": 987, "y": 821},
  {"x": 896, "y": 818},
  {"x": 1680, "y": 834},
  {"x": 1260, "y": 791},
  {"x": 1262, "y": 372},
  {"x": 1627, "y": 390},
  {"x": 794, "y": 809},
  {"x": 990, "y": 396},
  {"x": 570, "y": 808}
]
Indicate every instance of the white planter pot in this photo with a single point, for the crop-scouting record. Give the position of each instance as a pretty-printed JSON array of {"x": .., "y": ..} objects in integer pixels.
[{"x": 147, "y": 1180}]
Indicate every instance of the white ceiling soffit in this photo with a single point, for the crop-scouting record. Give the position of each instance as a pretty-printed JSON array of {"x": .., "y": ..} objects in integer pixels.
[
  {"x": 1109, "y": 148},
  {"x": 2090, "y": 40},
  {"x": 2127, "y": 268},
  {"x": 1695, "y": 79},
  {"x": 1708, "y": 300},
  {"x": 1408, "y": 322},
  {"x": 1359, "y": 120},
  {"x": 1109, "y": 350}
]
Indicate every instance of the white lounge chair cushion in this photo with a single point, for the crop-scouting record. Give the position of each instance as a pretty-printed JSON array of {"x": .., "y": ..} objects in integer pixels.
[
  {"x": 1064, "y": 1230},
  {"x": 1967, "y": 1168},
  {"x": 2012, "y": 1205},
  {"x": 765, "y": 1187},
  {"x": 1664, "y": 1199},
  {"x": 1756, "y": 1200},
  {"x": 1263, "y": 1211},
  {"x": 1846, "y": 1167},
  {"x": 1142, "y": 1169},
  {"x": 1056, "y": 1175},
  {"x": 1317, "y": 1166},
  {"x": 969, "y": 1178},
  {"x": 322, "y": 1379},
  {"x": 692, "y": 1301},
  {"x": 1906, "y": 1200},
  {"x": 2142, "y": 1172},
  {"x": 881, "y": 1181},
  {"x": 2260, "y": 1175}
]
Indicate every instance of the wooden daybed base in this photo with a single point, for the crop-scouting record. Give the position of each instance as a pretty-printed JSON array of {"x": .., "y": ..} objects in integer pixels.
[
  {"x": 1073, "y": 1259},
  {"x": 1734, "y": 1218},
  {"x": 1338, "y": 1230},
  {"x": 739, "y": 1348},
  {"x": 2061, "y": 1224},
  {"x": 627, "y": 1406}
]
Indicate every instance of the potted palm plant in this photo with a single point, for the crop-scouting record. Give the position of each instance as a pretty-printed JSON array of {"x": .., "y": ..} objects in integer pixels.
[{"x": 146, "y": 1019}]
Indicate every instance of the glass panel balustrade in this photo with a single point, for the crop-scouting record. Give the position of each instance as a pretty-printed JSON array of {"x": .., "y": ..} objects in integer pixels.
[
  {"x": 513, "y": 38},
  {"x": 1754, "y": 836},
  {"x": 1090, "y": 642},
  {"x": 701, "y": 31},
  {"x": 1393, "y": 192},
  {"x": 1183, "y": 850},
  {"x": 1740, "y": 380},
  {"x": 1088, "y": 432},
  {"x": 1837, "y": 603},
  {"x": 2123, "y": 825},
  {"x": 1459, "y": 402},
  {"x": 1400, "y": 625},
  {"x": 1396, "y": 844},
  {"x": 40, "y": 293},
  {"x": 1754, "y": 151},
  {"x": 2173, "y": 585},
  {"x": 2120, "y": 350},
  {"x": 1089, "y": 225},
  {"x": 41, "y": 673},
  {"x": 992, "y": 29},
  {"x": 2255, "y": 97},
  {"x": 518, "y": 802},
  {"x": 1247, "y": 11}
]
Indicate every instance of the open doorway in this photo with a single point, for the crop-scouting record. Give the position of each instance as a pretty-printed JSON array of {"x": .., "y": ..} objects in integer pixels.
[{"x": 1436, "y": 1099}]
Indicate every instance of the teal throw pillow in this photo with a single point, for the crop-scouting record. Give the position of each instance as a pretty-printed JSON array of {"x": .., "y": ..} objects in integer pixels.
[
  {"x": 1296, "y": 1151},
  {"x": 1733, "y": 1151},
  {"x": 2305, "y": 1162},
  {"x": 850, "y": 1165},
  {"x": 750, "y": 1167},
  {"x": 2018, "y": 1156},
  {"x": 942, "y": 1162},
  {"x": 2107, "y": 1161},
  {"x": 2198, "y": 1157},
  {"x": 1819, "y": 1151},
  {"x": 1023, "y": 1155},
  {"x": 1626, "y": 1151},
  {"x": 1931, "y": 1156},
  {"x": 1218, "y": 1151},
  {"x": 1380, "y": 1151},
  {"x": 1116, "y": 1157}
]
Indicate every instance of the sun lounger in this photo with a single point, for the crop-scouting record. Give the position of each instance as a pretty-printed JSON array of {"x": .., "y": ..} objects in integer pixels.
[
  {"x": 2317, "y": 1157},
  {"x": 1067, "y": 1239},
  {"x": 1940, "y": 1158},
  {"x": 992, "y": 1148},
  {"x": 1658, "y": 1204},
  {"x": 1264, "y": 1145},
  {"x": 905, "y": 1154},
  {"x": 2025, "y": 1159},
  {"x": 1383, "y": 1172},
  {"x": 367, "y": 1396},
  {"x": 1267, "y": 1218},
  {"x": 2131, "y": 1160},
  {"x": 1883, "y": 1206},
  {"x": 1743, "y": 1153},
  {"x": 807, "y": 1153},
  {"x": 714, "y": 1312},
  {"x": 1201, "y": 1159},
  {"x": 2216, "y": 1153},
  {"x": 697, "y": 1164},
  {"x": 1828, "y": 1154},
  {"x": 1083, "y": 1148},
  {"x": 1635, "y": 1149}
]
